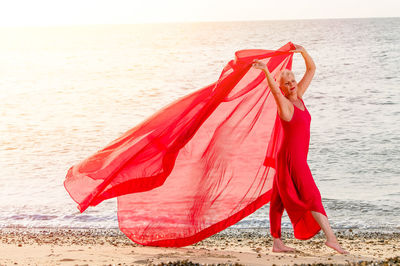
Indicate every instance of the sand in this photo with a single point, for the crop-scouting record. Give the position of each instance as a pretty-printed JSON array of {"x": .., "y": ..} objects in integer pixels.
[{"x": 45, "y": 246}]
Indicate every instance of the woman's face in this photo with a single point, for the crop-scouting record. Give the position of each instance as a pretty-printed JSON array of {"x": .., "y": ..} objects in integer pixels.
[{"x": 288, "y": 84}]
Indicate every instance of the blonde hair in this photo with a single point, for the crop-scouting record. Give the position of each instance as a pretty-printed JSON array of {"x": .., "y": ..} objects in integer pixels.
[{"x": 283, "y": 73}]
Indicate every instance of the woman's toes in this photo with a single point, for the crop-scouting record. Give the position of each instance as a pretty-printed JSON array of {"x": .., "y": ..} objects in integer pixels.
[
  {"x": 283, "y": 248},
  {"x": 336, "y": 246}
]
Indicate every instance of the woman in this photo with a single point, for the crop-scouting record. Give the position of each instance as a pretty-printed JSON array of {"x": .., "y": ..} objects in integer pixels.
[{"x": 294, "y": 188}]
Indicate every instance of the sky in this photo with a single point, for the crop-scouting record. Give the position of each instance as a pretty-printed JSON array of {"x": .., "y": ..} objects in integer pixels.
[{"x": 84, "y": 12}]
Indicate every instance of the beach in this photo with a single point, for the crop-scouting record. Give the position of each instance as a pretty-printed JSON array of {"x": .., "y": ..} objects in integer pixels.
[
  {"x": 67, "y": 92},
  {"x": 49, "y": 246}
]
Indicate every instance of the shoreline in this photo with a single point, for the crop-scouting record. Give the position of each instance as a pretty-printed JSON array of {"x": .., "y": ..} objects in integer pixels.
[{"x": 50, "y": 246}]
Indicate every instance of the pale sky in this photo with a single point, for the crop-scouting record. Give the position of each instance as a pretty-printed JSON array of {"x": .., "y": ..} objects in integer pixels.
[{"x": 81, "y": 12}]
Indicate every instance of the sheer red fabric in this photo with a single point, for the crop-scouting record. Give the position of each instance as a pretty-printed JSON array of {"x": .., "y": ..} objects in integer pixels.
[{"x": 198, "y": 165}]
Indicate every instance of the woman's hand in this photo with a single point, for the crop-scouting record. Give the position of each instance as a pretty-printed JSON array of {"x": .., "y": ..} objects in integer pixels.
[
  {"x": 299, "y": 49},
  {"x": 258, "y": 64}
]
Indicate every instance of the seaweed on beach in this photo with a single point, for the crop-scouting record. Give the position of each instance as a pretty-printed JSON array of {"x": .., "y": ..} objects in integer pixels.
[
  {"x": 190, "y": 263},
  {"x": 387, "y": 262}
]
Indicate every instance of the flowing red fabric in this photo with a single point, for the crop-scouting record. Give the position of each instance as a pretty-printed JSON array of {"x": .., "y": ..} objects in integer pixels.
[{"x": 198, "y": 165}]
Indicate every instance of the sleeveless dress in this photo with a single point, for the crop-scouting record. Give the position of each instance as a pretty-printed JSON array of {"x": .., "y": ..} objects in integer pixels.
[{"x": 294, "y": 188}]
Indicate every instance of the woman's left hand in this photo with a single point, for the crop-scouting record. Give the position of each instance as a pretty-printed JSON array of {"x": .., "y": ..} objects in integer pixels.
[
  {"x": 299, "y": 49},
  {"x": 258, "y": 64}
]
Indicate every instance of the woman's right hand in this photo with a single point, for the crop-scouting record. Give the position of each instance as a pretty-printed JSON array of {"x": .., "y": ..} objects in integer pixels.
[
  {"x": 299, "y": 49},
  {"x": 258, "y": 64}
]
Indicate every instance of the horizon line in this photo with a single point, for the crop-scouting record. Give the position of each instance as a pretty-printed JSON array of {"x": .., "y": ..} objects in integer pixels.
[{"x": 178, "y": 22}]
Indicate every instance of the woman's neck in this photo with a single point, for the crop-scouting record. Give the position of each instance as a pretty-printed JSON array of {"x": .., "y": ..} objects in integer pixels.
[{"x": 292, "y": 97}]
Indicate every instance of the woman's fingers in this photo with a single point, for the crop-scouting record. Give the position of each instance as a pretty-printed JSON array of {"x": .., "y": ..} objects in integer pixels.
[
  {"x": 257, "y": 64},
  {"x": 298, "y": 49},
  {"x": 297, "y": 46}
]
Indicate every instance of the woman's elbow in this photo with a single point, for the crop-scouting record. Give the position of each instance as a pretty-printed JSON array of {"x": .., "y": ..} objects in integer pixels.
[{"x": 311, "y": 68}]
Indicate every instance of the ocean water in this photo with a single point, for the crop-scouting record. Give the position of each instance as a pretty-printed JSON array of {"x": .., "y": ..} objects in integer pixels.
[{"x": 67, "y": 91}]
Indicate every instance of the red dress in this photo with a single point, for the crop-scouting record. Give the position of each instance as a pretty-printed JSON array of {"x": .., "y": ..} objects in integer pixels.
[{"x": 294, "y": 188}]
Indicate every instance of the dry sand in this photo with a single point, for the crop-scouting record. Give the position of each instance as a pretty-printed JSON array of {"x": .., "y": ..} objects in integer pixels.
[{"x": 112, "y": 247}]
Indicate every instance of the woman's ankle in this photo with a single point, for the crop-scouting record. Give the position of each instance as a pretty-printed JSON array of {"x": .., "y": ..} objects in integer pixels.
[
  {"x": 277, "y": 241},
  {"x": 276, "y": 238},
  {"x": 331, "y": 239}
]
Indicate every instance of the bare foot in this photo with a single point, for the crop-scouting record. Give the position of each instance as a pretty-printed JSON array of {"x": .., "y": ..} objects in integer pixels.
[
  {"x": 336, "y": 246},
  {"x": 278, "y": 246}
]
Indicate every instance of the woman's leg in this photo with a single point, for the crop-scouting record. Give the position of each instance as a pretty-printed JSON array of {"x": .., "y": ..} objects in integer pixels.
[
  {"x": 275, "y": 215},
  {"x": 331, "y": 240}
]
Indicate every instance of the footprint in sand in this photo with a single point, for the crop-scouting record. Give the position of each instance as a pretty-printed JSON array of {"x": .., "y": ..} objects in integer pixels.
[
  {"x": 141, "y": 261},
  {"x": 65, "y": 259}
]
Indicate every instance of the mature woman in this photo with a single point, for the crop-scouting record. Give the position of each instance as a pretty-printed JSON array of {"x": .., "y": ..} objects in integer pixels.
[{"x": 294, "y": 188}]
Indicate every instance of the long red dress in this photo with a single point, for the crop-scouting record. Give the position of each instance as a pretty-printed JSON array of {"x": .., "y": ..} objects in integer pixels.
[
  {"x": 294, "y": 188},
  {"x": 198, "y": 165}
]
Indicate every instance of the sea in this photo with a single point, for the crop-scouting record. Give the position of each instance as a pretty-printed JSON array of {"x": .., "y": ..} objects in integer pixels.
[{"x": 66, "y": 91}]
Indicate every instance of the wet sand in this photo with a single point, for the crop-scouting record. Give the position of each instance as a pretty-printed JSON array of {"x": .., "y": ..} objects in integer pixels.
[{"x": 22, "y": 246}]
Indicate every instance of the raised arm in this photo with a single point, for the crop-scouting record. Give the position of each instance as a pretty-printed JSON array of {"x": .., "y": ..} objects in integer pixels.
[
  {"x": 310, "y": 70},
  {"x": 284, "y": 105}
]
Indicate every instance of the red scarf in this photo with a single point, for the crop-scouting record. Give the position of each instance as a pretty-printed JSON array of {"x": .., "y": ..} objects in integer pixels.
[{"x": 198, "y": 165}]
